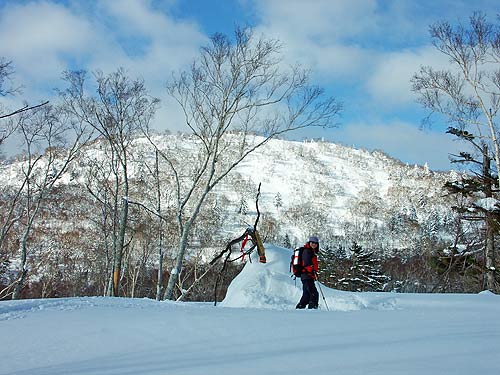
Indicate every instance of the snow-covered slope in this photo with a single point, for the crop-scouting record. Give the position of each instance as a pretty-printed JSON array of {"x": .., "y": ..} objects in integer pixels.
[
  {"x": 269, "y": 285},
  {"x": 342, "y": 187},
  {"x": 363, "y": 333}
]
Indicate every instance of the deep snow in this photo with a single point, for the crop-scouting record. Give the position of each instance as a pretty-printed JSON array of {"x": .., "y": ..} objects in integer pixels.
[{"x": 255, "y": 330}]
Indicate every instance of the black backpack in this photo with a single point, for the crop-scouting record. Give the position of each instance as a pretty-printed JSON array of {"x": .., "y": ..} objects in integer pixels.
[{"x": 296, "y": 263}]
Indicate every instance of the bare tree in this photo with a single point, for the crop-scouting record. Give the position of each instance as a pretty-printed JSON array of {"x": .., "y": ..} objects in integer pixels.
[
  {"x": 103, "y": 185},
  {"x": 6, "y": 72},
  {"x": 120, "y": 107},
  {"x": 45, "y": 128},
  {"x": 467, "y": 94},
  {"x": 155, "y": 172},
  {"x": 160, "y": 216},
  {"x": 8, "y": 125},
  {"x": 235, "y": 98}
]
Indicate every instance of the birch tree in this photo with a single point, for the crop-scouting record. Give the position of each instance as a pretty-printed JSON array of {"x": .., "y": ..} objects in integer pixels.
[
  {"x": 237, "y": 95},
  {"x": 468, "y": 93},
  {"x": 48, "y": 128},
  {"x": 6, "y": 126},
  {"x": 119, "y": 108}
]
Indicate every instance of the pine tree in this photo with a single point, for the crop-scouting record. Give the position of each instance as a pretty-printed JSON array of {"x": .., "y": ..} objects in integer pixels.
[
  {"x": 286, "y": 241},
  {"x": 365, "y": 272},
  {"x": 327, "y": 266},
  {"x": 278, "y": 201},
  {"x": 477, "y": 188},
  {"x": 333, "y": 265},
  {"x": 243, "y": 206}
]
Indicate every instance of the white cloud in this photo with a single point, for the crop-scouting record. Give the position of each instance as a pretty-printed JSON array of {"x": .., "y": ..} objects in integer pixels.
[
  {"x": 373, "y": 43},
  {"x": 38, "y": 37},
  {"x": 324, "y": 20},
  {"x": 319, "y": 34},
  {"x": 41, "y": 27},
  {"x": 44, "y": 38},
  {"x": 390, "y": 83},
  {"x": 403, "y": 141}
]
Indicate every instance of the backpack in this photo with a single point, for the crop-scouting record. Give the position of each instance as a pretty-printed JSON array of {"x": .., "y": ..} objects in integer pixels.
[{"x": 296, "y": 263}]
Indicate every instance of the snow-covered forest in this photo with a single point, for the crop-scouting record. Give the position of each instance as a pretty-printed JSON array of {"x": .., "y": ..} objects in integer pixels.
[{"x": 400, "y": 213}]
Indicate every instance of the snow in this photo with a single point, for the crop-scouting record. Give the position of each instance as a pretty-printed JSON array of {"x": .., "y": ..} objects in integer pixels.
[
  {"x": 488, "y": 204},
  {"x": 254, "y": 330}
]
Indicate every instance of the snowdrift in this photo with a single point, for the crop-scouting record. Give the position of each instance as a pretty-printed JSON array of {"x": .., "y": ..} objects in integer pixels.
[{"x": 270, "y": 285}]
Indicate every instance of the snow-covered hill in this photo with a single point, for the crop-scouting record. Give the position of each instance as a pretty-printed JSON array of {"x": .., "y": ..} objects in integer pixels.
[
  {"x": 255, "y": 330},
  {"x": 341, "y": 193}
]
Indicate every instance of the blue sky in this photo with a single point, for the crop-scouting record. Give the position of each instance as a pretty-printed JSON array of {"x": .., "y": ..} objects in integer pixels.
[{"x": 364, "y": 52}]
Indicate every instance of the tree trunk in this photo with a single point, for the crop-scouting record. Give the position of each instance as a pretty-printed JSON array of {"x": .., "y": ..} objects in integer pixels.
[
  {"x": 159, "y": 284},
  {"x": 489, "y": 251},
  {"x": 23, "y": 271},
  {"x": 174, "y": 275},
  {"x": 121, "y": 244}
]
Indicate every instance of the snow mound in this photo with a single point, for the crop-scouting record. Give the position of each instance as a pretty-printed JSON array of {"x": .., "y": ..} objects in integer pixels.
[{"x": 270, "y": 286}]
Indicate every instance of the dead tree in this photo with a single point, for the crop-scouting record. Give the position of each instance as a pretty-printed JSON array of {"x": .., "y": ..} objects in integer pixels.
[{"x": 250, "y": 233}]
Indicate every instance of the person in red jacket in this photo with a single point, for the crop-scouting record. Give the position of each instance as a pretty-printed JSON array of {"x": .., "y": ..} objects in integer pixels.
[{"x": 310, "y": 295}]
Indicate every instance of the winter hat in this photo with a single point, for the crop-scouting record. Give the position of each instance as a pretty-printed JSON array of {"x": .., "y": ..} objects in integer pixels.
[{"x": 313, "y": 239}]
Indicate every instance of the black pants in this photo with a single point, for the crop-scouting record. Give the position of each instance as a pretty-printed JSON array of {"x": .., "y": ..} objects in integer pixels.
[{"x": 310, "y": 295}]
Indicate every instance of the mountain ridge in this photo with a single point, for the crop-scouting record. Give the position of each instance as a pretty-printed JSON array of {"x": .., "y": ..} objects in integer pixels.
[{"x": 337, "y": 184}]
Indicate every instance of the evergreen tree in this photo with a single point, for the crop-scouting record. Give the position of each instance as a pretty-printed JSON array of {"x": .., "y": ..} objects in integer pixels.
[
  {"x": 475, "y": 190},
  {"x": 278, "y": 201},
  {"x": 365, "y": 273},
  {"x": 286, "y": 241},
  {"x": 326, "y": 264},
  {"x": 243, "y": 206},
  {"x": 333, "y": 265}
]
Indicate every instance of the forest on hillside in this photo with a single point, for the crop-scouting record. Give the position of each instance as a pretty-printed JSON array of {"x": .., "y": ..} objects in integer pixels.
[{"x": 397, "y": 234}]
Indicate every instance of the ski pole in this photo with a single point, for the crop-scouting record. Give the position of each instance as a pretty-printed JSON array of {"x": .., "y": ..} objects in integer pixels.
[{"x": 322, "y": 295}]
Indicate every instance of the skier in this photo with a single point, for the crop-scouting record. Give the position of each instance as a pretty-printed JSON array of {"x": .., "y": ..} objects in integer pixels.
[{"x": 310, "y": 296}]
